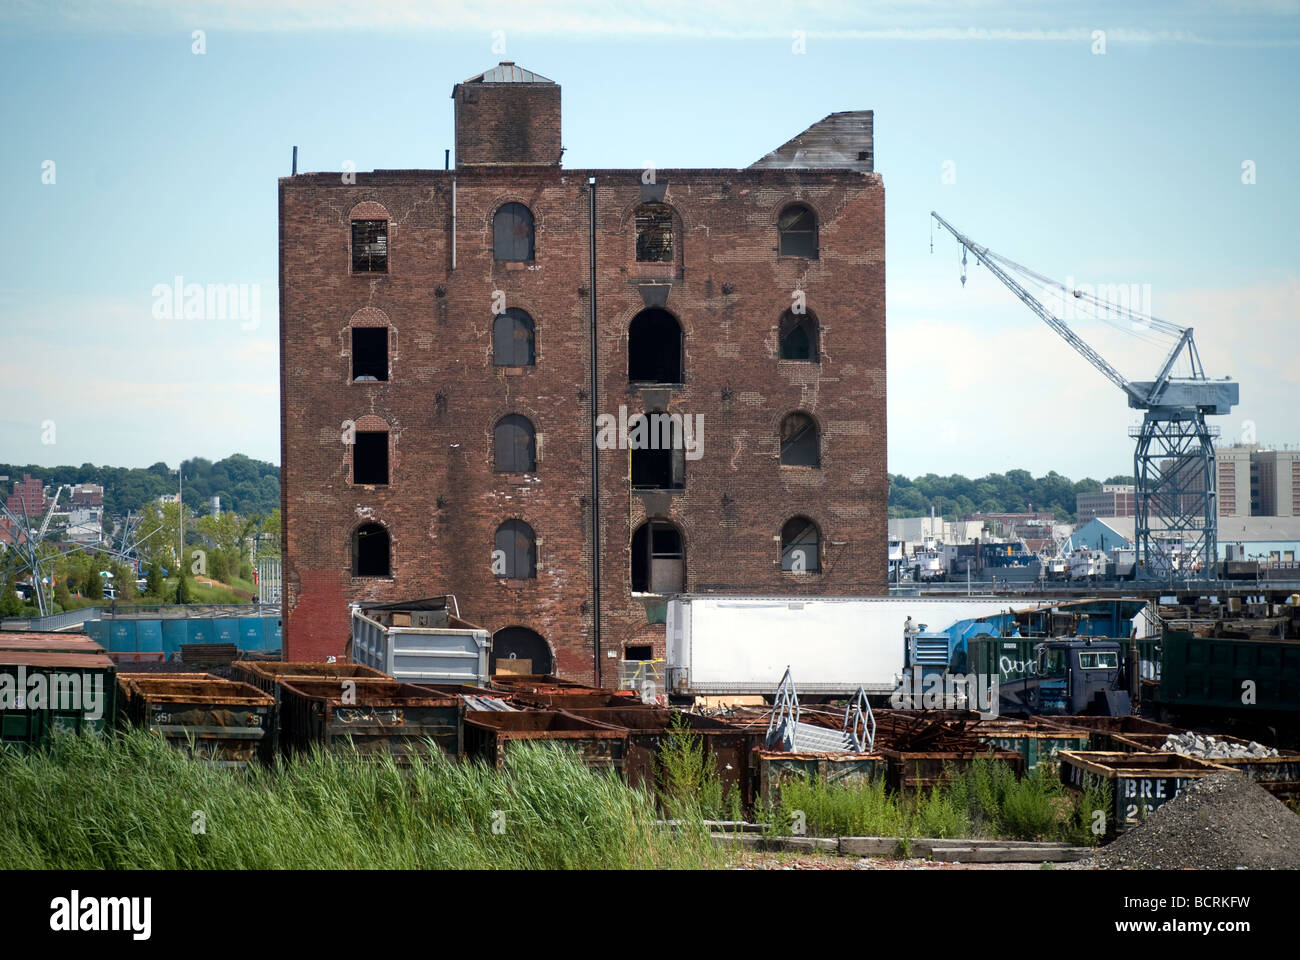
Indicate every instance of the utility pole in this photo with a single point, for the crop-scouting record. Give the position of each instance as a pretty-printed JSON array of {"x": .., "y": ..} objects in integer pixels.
[{"x": 180, "y": 518}]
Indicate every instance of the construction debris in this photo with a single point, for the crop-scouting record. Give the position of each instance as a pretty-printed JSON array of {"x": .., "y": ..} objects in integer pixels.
[
  {"x": 1203, "y": 745},
  {"x": 1220, "y": 822}
]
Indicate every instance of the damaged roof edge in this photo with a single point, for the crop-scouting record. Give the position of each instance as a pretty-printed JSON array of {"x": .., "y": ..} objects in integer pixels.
[{"x": 839, "y": 141}]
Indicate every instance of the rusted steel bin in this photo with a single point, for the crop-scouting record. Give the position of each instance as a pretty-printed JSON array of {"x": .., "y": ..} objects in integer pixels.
[
  {"x": 1140, "y": 782},
  {"x": 489, "y": 736},
  {"x": 648, "y": 728},
  {"x": 1032, "y": 739},
  {"x": 1104, "y": 729},
  {"x": 1278, "y": 775},
  {"x": 266, "y": 675},
  {"x": 920, "y": 770},
  {"x": 775, "y": 767},
  {"x": 376, "y": 717},
  {"x": 220, "y": 721}
]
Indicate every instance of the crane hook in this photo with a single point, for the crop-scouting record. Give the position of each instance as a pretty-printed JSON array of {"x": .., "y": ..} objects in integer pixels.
[{"x": 963, "y": 266}]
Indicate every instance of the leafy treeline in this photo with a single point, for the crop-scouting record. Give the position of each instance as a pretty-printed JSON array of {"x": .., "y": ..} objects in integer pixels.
[
  {"x": 244, "y": 485},
  {"x": 956, "y": 497}
]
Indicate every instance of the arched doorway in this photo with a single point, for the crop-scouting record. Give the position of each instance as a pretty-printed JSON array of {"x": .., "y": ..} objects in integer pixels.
[{"x": 520, "y": 643}]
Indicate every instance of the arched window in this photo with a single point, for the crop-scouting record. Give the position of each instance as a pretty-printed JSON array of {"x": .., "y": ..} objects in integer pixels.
[
  {"x": 369, "y": 246},
  {"x": 658, "y": 563},
  {"x": 370, "y": 551},
  {"x": 654, "y": 233},
  {"x": 798, "y": 336},
  {"x": 657, "y": 442},
  {"x": 514, "y": 553},
  {"x": 800, "y": 441},
  {"x": 801, "y": 544},
  {"x": 369, "y": 353},
  {"x": 654, "y": 348},
  {"x": 512, "y": 339},
  {"x": 512, "y": 233},
  {"x": 797, "y": 227},
  {"x": 514, "y": 445},
  {"x": 520, "y": 643},
  {"x": 370, "y": 457}
]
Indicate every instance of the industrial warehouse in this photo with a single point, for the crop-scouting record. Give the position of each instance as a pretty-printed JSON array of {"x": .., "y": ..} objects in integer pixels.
[{"x": 623, "y": 506}]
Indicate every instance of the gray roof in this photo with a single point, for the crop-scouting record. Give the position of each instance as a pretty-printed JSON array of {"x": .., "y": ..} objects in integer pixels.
[
  {"x": 507, "y": 72},
  {"x": 840, "y": 141}
]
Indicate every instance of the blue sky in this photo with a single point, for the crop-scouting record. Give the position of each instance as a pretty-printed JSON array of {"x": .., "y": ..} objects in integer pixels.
[{"x": 1122, "y": 167}]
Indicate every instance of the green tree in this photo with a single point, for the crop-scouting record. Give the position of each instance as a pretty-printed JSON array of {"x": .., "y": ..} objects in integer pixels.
[
  {"x": 94, "y": 582},
  {"x": 11, "y": 605},
  {"x": 183, "y": 591},
  {"x": 154, "y": 581}
]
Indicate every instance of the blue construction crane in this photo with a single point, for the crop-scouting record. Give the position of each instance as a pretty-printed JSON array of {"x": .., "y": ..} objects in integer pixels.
[{"x": 1176, "y": 526}]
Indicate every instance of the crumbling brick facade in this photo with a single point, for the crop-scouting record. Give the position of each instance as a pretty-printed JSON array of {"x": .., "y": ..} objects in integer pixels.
[{"x": 725, "y": 282}]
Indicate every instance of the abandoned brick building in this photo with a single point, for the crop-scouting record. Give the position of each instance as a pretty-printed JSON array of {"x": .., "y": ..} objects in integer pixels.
[{"x": 458, "y": 347}]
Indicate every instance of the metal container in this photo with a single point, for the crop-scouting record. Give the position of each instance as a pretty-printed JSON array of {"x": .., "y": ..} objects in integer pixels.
[
  {"x": 1212, "y": 672},
  {"x": 489, "y": 736},
  {"x": 1103, "y": 730},
  {"x": 373, "y": 717},
  {"x": 1140, "y": 782},
  {"x": 1035, "y": 741},
  {"x": 50, "y": 642},
  {"x": 222, "y": 722},
  {"x": 456, "y": 653},
  {"x": 267, "y": 675},
  {"x": 921, "y": 770},
  {"x": 1278, "y": 775},
  {"x": 775, "y": 767},
  {"x": 648, "y": 729},
  {"x": 43, "y": 692}
]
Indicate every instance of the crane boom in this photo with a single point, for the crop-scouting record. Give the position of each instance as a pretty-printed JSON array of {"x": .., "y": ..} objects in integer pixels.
[{"x": 990, "y": 260}]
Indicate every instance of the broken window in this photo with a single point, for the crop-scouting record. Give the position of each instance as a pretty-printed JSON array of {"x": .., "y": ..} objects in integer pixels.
[
  {"x": 658, "y": 563},
  {"x": 369, "y": 353},
  {"x": 514, "y": 554},
  {"x": 369, "y": 246},
  {"x": 514, "y": 445},
  {"x": 370, "y": 457},
  {"x": 512, "y": 233},
  {"x": 801, "y": 546},
  {"x": 797, "y": 227},
  {"x": 370, "y": 551},
  {"x": 798, "y": 336},
  {"x": 654, "y": 233},
  {"x": 659, "y": 455},
  {"x": 654, "y": 348},
  {"x": 512, "y": 339},
  {"x": 640, "y": 652},
  {"x": 800, "y": 441}
]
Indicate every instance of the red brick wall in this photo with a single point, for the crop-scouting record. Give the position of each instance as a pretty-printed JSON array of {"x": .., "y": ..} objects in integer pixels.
[
  {"x": 507, "y": 123},
  {"x": 443, "y": 502}
]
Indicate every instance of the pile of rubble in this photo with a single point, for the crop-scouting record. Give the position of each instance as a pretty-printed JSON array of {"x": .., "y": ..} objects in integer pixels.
[
  {"x": 1221, "y": 822},
  {"x": 1207, "y": 747}
]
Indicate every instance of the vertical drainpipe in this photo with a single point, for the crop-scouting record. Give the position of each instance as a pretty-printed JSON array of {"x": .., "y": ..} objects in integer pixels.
[
  {"x": 595, "y": 470},
  {"x": 453, "y": 221}
]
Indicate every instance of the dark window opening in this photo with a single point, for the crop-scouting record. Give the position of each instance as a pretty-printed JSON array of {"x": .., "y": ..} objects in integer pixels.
[
  {"x": 370, "y": 551},
  {"x": 654, "y": 348},
  {"x": 801, "y": 546},
  {"x": 646, "y": 652},
  {"x": 797, "y": 227},
  {"x": 658, "y": 563},
  {"x": 512, "y": 233},
  {"x": 798, "y": 336},
  {"x": 369, "y": 246},
  {"x": 514, "y": 554},
  {"x": 800, "y": 441},
  {"x": 370, "y": 457},
  {"x": 514, "y": 445},
  {"x": 369, "y": 353},
  {"x": 521, "y": 644},
  {"x": 654, "y": 233},
  {"x": 663, "y": 468},
  {"x": 512, "y": 339}
]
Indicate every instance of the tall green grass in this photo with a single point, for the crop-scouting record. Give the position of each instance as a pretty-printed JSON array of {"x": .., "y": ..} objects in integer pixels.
[
  {"x": 130, "y": 801},
  {"x": 987, "y": 800}
]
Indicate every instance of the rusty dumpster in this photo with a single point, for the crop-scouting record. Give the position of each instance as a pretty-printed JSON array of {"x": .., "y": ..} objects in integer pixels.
[
  {"x": 1033, "y": 739},
  {"x": 776, "y": 766},
  {"x": 648, "y": 728},
  {"x": 219, "y": 721},
  {"x": 267, "y": 675},
  {"x": 1139, "y": 783},
  {"x": 1103, "y": 730},
  {"x": 371, "y": 716},
  {"x": 1278, "y": 775},
  {"x": 910, "y": 770},
  {"x": 490, "y": 735}
]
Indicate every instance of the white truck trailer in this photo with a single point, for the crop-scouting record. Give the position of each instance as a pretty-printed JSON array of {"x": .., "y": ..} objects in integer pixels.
[{"x": 737, "y": 645}]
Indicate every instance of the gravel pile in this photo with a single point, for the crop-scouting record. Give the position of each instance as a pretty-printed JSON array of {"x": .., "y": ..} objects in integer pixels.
[
  {"x": 1198, "y": 745},
  {"x": 1222, "y": 822}
]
